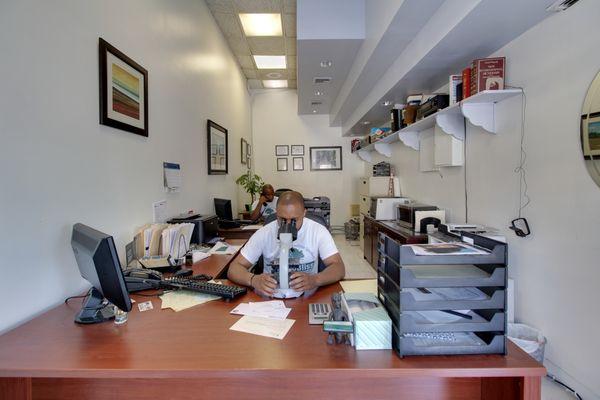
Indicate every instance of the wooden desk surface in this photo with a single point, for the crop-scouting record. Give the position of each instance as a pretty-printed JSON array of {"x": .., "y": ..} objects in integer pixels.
[
  {"x": 197, "y": 342},
  {"x": 216, "y": 265}
]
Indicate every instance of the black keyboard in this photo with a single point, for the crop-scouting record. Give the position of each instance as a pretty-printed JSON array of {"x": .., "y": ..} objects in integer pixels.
[
  {"x": 227, "y": 224},
  {"x": 225, "y": 291}
]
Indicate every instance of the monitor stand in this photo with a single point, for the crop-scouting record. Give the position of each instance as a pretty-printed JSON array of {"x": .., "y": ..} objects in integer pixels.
[{"x": 94, "y": 310}]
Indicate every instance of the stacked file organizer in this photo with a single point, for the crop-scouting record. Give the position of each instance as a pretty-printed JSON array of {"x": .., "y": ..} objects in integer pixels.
[{"x": 445, "y": 304}]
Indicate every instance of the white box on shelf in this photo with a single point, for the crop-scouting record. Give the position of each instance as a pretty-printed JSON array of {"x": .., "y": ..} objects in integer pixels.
[
  {"x": 448, "y": 150},
  {"x": 374, "y": 186}
]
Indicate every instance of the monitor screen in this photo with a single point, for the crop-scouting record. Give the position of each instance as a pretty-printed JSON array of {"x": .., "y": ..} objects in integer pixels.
[
  {"x": 223, "y": 209},
  {"x": 99, "y": 264}
]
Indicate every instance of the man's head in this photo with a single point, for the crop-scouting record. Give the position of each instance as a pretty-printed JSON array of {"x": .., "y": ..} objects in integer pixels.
[
  {"x": 291, "y": 206},
  {"x": 268, "y": 192}
]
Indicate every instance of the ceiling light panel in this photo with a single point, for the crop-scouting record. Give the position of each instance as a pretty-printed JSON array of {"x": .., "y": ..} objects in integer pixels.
[
  {"x": 275, "y": 84},
  {"x": 270, "y": 62},
  {"x": 261, "y": 24}
]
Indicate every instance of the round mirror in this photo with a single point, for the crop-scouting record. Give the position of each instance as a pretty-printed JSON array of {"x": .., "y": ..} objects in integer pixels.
[{"x": 590, "y": 130}]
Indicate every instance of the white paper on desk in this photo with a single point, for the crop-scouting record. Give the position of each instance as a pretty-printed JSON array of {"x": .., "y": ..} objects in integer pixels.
[
  {"x": 183, "y": 299},
  {"x": 273, "y": 328},
  {"x": 251, "y": 227},
  {"x": 266, "y": 309},
  {"x": 223, "y": 248}
]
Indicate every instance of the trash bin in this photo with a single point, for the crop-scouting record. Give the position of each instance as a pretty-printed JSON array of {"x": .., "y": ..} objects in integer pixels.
[{"x": 529, "y": 339}]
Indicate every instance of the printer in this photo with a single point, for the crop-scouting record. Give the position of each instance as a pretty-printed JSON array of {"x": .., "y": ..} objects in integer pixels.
[{"x": 205, "y": 226}]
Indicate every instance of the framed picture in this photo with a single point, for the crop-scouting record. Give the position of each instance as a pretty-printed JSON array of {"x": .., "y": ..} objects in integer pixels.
[
  {"x": 590, "y": 135},
  {"x": 282, "y": 164},
  {"x": 123, "y": 91},
  {"x": 298, "y": 163},
  {"x": 297, "y": 150},
  {"x": 244, "y": 147},
  {"x": 326, "y": 158},
  {"x": 217, "y": 148},
  {"x": 282, "y": 150},
  {"x": 249, "y": 155}
]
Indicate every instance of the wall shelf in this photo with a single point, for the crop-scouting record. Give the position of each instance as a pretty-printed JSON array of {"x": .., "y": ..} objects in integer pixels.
[{"x": 478, "y": 109}]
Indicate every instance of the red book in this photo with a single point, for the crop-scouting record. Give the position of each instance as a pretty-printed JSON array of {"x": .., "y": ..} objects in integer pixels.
[
  {"x": 466, "y": 81},
  {"x": 489, "y": 74}
]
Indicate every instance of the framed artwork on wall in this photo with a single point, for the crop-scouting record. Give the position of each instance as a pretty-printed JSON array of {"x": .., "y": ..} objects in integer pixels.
[
  {"x": 590, "y": 135},
  {"x": 123, "y": 91},
  {"x": 298, "y": 163},
  {"x": 282, "y": 164},
  {"x": 217, "y": 148},
  {"x": 244, "y": 150},
  {"x": 297, "y": 150},
  {"x": 282, "y": 150},
  {"x": 326, "y": 158}
]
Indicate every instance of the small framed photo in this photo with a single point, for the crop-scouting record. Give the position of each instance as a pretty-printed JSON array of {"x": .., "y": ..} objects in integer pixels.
[
  {"x": 217, "y": 147},
  {"x": 123, "y": 91},
  {"x": 590, "y": 135},
  {"x": 282, "y": 150},
  {"x": 244, "y": 147},
  {"x": 282, "y": 164},
  {"x": 297, "y": 150},
  {"x": 326, "y": 158},
  {"x": 298, "y": 163}
]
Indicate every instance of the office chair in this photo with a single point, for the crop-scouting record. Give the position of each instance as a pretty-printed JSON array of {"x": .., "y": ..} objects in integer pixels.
[{"x": 279, "y": 191}]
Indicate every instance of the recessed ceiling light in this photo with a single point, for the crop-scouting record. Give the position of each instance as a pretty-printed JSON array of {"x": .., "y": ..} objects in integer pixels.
[
  {"x": 386, "y": 103},
  {"x": 270, "y": 62},
  {"x": 326, "y": 64},
  {"x": 273, "y": 75},
  {"x": 366, "y": 122},
  {"x": 274, "y": 84},
  {"x": 261, "y": 24},
  {"x": 319, "y": 93},
  {"x": 314, "y": 111}
]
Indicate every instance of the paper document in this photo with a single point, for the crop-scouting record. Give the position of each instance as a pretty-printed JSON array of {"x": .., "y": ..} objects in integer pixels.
[
  {"x": 275, "y": 309},
  {"x": 172, "y": 176},
  {"x": 273, "y": 328},
  {"x": 183, "y": 299},
  {"x": 445, "y": 249},
  {"x": 223, "y": 248},
  {"x": 160, "y": 211},
  {"x": 360, "y": 286},
  {"x": 251, "y": 227}
]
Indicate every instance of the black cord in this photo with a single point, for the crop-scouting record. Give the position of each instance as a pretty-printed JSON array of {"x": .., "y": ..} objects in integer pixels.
[
  {"x": 74, "y": 297},
  {"x": 151, "y": 295},
  {"x": 520, "y": 169},
  {"x": 568, "y": 388},
  {"x": 465, "y": 170}
]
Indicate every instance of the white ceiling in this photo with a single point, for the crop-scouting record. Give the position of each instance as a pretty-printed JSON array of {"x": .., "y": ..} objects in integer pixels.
[{"x": 226, "y": 13}]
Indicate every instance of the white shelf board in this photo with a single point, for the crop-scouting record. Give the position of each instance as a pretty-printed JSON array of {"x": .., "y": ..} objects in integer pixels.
[{"x": 479, "y": 109}]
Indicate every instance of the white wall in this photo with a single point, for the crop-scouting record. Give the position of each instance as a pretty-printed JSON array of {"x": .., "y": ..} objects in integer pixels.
[
  {"x": 557, "y": 268},
  {"x": 275, "y": 121},
  {"x": 59, "y": 166}
]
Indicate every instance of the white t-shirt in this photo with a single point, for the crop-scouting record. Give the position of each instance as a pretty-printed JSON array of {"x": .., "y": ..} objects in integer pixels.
[
  {"x": 268, "y": 208},
  {"x": 314, "y": 241}
]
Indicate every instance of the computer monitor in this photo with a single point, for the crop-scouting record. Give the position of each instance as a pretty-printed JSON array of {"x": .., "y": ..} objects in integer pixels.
[
  {"x": 99, "y": 264},
  {"x": 223, "y": 209}
]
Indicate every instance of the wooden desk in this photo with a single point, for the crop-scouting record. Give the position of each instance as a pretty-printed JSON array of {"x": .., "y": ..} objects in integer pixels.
[
  {"x": 216, "y": 265},
  {"x": 192, "y": 354},
  {"x": 236, "y": 233}
]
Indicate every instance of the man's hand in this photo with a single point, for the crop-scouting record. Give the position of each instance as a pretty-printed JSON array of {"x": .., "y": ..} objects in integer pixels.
[
  {"x": 264, "y": 283},
  {"x": 262, "y": 199},
  {"x": 301, "y": 281}
]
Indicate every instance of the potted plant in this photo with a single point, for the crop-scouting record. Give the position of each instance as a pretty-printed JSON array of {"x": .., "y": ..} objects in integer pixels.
[{"x": 252, "y": 184}]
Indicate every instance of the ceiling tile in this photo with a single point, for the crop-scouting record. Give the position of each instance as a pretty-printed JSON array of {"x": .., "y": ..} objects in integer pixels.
[
  {"x": 220, "y": 6},
  {"x": 290, "y": 45},
  {"x": 258, "y": 6},
  {"x": 255, "y": 84},
  {"x": 246, "y": 62},
  {"x": 289, "y": 6},
  {"x": 267, "y": 46},
  {"x": 291, "y": 62},
  {"x": 250, "y": 73},
  {"x": 289, "y": 25},
  {"x": 229, "y": 24},
  {"x": 239, "y": 46}
]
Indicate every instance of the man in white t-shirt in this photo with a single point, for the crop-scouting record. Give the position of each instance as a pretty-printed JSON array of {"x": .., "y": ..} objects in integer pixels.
[
  {"x": 313, "y": 242},
  {"x": 266, "y": 203}
]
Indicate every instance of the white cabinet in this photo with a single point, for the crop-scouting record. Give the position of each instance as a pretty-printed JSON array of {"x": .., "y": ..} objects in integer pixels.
[
  {"x": 447, "y": 150},
  {"x": 378, "y": 186},
  {"x": 426, "y": 151},
  {"x": 365, "y": 204}
]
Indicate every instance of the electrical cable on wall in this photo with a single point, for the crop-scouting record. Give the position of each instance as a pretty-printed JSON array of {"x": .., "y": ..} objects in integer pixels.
[
  {"x": 567, "y": 388},
  {"x": 465, "y": 173}
]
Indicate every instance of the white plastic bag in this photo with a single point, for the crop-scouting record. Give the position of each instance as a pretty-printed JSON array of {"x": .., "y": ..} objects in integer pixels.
[{"x": 529, "y": 339}]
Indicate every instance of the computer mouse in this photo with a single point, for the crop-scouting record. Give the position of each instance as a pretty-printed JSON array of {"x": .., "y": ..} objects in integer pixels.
[{"x": 183, "y": 272}]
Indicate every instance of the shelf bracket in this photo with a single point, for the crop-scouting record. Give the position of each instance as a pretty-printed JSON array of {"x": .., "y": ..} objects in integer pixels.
[
  {"x": 365, "y": 155},
  {"x": 410, "y": 139},
  {"x": 452, "y": 124},
  {"x": 384, "y": 149},
  {"x": 480, "y": 114}
]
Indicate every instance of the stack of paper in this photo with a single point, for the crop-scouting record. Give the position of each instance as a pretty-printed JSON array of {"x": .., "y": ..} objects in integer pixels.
[
  {"x": 182, "y": 299},
  {"x": 273, "y": 328},
  {"x": 274, "y": 309}
]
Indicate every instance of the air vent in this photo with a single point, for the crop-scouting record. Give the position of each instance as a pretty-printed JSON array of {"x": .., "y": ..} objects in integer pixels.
[
  {"x": 322, "y": 80},
  {"x": 560, "y": 5},
  {"x": 316, "y": 103}
]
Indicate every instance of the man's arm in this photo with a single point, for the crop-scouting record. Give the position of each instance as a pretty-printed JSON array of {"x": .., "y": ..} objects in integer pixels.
[
  {"x": 238, "y": 273},
  {"x": 256, "y": 212},
  {"x": 333, "y": 272}
]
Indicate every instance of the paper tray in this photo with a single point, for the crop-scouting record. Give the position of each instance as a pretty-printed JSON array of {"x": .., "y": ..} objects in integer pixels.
[
  {"x": 497, "y": 255},
  {"x": 482, "y": 321}
]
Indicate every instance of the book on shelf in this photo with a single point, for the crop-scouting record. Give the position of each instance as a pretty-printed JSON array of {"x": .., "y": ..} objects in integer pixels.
[
  {"x": 454, "y": 81},
  {"x": 466, "y": 82},
  {"x": 487, "y": 74}
]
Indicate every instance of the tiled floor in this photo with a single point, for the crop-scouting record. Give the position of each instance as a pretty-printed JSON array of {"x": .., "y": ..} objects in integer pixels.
[{"x": 356, "y": 266}]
